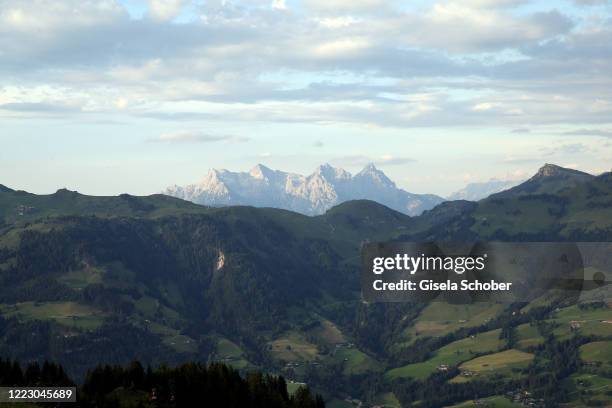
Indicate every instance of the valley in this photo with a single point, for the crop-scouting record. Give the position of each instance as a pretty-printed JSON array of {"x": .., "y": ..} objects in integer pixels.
[{"x": 89, "y": 280}]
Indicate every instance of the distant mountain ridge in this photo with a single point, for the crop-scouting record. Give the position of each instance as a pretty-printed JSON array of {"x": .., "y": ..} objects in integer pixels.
[
  {"x": 314, "y": 194},
  {"x": 478, "y": 191}
]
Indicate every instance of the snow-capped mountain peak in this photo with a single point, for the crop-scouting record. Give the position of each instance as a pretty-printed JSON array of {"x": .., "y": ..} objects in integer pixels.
[
  {"x": 331, "y": 173},
  {"x": 326, "y": 187},
  {"x": 261, "y": 172},
  {"x": 370, "y": 174}
]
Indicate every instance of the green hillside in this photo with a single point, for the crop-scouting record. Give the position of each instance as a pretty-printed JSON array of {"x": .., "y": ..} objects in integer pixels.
[
  {"x": 451, "y": 355},
  {"x": 545, "y": 208},
  {"x": 20, "y": 206},
  {"x": 87, "y": 280}
]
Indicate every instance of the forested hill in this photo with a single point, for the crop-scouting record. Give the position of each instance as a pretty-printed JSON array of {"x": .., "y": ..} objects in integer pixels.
[
  {"x": 88, "y": 280},
  {"x": 169, "y": 288},
  {"x": 555, "y": 204},
  {"x": 19, "y": 206}
]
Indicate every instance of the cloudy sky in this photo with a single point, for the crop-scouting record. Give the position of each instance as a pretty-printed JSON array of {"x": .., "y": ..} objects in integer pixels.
[{"x": 107, "y": 96}]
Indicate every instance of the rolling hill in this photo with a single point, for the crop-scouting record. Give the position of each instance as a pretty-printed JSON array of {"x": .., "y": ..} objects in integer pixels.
[{"x": 87, "y": 280}]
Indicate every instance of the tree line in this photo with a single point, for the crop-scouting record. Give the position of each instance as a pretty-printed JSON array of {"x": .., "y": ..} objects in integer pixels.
[{"x": 188, "y": 385}]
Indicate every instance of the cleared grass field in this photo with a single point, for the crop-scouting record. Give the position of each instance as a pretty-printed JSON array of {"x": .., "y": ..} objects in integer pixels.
[
  {"x": 592, "y": 328},
  {"x": 70, "y": 314},
  {"x": 592, "y": 322},
  {"x": 388, "y": 400},
  {"x": 292, "y": 387},
  {"x": 82, "y": 278},
  {"x": 498, "y": 364},
  {"x": 228, "y": 352},
  {"x": 493, "y": 402},
  {"x": 590, "y": 387},
  {"x": 598, "y": 351},
  {"x": 327, "y": 332},
  {"x": 528, "y": 336},
  {"x": 170, "y": 336},
  {"x": 356, "y": 361},
  {"x": 439, "y": 318},
  {"x": 337, "y": 403},
  {"x": 227, "y": 348},
  {"x": 544, "y": 300},
  {"x": 451, "y": 355},
  {"x": 293, "y": 347},
  {"x": 181, "y": 343},
  {"x": 575, "y": 313},
  {"x": 151, "y": 308}
]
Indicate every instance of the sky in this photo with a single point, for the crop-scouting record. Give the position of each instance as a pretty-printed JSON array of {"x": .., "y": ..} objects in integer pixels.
[{"x": 106, "y": 97}]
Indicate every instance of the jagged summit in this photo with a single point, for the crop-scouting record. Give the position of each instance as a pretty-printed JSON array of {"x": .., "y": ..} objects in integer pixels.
[
  {"x": 314, "y": 194},
  {"x": 332, "y": 173},
  {"x": 370, "y": 167},
  {"x": 372, "y": 174},
  {"x": 261, "y": 172},
  {"x": 325, "y": 167}
]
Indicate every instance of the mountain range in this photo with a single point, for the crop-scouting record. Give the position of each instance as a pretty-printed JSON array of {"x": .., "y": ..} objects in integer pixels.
[
  {"x": 311, "y": 195},
  {"x": 85, "y": 280}
]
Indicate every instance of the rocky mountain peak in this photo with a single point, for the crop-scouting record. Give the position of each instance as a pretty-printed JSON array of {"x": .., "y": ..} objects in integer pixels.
[
  {"x": 369, "y": 168},
  {"x": 261, "y": 172},
  {"x": 331, "y": 173},
  {"x": 213, "y": 176},
  {"x": 373, "y": 175},
  {"x": 552, "y": 170}
]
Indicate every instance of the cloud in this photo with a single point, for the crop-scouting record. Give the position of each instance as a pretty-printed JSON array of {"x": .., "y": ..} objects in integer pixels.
[
  {"x": 196, "y": 137},
  {"x": 318, "y": 144},
  {"x": 27, "y": 18},
  {"x": 279, "y": 4},
  {"x": 39, "y": 107},
  {"x": 588, "y": 132},
  {"x": 521, "y": 160},
  {"x": 165, "y": 9},
  {"x": 546, "y": 153},
  {"x": 363, "y": 160},
  {"x": 345, "y": 6},
  {"x": 391, "y": 160},
  {"x": 358, "y": 62},
  {"x": 591, "y": 2},
  {"x": 457, "y": 27},
  {"x": 565, "y": 149},
  {"x": 520, "y": 130},
  {"x": 494, "y": 3}
]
